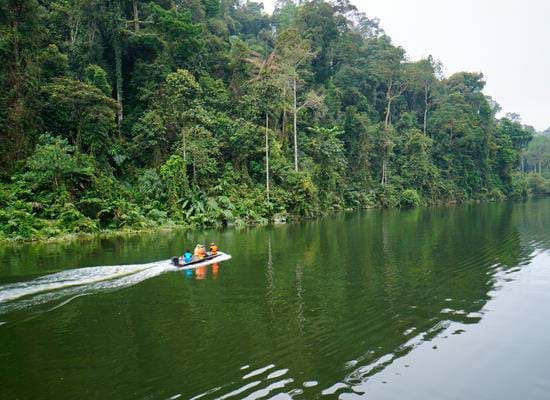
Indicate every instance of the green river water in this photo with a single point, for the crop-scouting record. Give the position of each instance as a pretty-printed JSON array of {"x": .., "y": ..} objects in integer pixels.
[{"x": 438, "y": 303}]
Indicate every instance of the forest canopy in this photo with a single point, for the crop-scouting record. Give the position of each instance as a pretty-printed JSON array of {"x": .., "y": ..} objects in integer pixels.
[{"x": 130, "y": 114}]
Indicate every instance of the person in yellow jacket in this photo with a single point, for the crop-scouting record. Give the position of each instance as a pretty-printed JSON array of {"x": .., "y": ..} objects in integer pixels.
[{"x": 200, "y": 252}]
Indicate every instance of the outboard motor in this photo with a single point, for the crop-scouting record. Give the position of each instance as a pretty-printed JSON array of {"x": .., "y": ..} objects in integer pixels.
[{"x": 175, "y": 261}]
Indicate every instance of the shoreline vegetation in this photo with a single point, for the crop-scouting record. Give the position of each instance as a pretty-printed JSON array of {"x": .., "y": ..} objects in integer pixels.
[
  {"x": 137, "y": 115},
  {"x": 171, "y": 226}
]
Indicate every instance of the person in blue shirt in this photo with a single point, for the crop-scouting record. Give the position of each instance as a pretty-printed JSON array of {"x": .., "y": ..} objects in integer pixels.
[{"x": 187, "y": 256}]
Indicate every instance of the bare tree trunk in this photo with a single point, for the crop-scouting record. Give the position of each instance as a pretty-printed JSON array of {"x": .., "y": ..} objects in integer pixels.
[
  {"x": 117, "y": 50},
  {"x": 136, "y": 15},
  {"x": 389, "y": 98},
  {"x": 384, "y": 180},
  {"x": 184, "y": 141},
  {"x": 15, "y": 29},
  {"x": 78, "y": 138},
  {"x": 74, "y": 32},
  {"x": 16, "y": 71},
  {"x": 295, "y": 130},
  {"x": 118, "y": 72},
  {"x": 91, "y": 34},
  {"x": 386, "y": 125},
  {"x": 388, "y": 113},
  {"x": 425, "y": 107},
  {"x": 283, "y": 131},
  {"x": 522, "y": 163},
  {"x": 267, "y": 154}
]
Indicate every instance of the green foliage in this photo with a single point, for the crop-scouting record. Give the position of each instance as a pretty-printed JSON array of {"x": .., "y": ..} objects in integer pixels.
[
  {"x": 17, "y": 219},
  {"x": 410, "y": 199},
  {"x": 388, "y": 197},
  {"x": 52, "y": 62},
  {"x": 54, "y": 167},
  {"x": 329, "y": 162},
  {"x": 96, "y": 76},
  {"x": 519, "y": 187},
  {"x": 194, "y": 113},
  {"x": 81, "y": 113},
  {"x": 150, "y": 188},
  {"x": 72, "y": 220},
  {"x": 418, "y": 169},
  {"x": 174, "y": 176},
  {"x": 178, "y": 32},
  {"x": 538, "y": 184},
  {"x": 302, "y": 197},
  {"x": 537, "y": 155},
  {"x": 149, "y": 139}
]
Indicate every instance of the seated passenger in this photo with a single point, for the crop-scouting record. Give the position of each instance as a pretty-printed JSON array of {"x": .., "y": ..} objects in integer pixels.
[
  {"x": 199, "y": 251},
  {"x": 213, "y": 249},
  {"x": 187, "y": 256}
]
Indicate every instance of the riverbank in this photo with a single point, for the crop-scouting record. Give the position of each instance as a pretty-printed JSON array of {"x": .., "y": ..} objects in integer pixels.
[
  {"x": 104, "y": 234},
  {"x": 169, "y": 226}
]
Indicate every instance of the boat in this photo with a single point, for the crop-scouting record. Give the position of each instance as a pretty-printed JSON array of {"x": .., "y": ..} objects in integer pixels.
[{"x": 200, "y": 262}]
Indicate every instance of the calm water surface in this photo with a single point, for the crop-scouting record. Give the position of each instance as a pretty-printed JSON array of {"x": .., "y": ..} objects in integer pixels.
[{"x": 442, "y": 303}]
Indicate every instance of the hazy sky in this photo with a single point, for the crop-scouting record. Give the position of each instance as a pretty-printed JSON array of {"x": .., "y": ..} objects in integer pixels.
[{"x": 507, "y": 40}]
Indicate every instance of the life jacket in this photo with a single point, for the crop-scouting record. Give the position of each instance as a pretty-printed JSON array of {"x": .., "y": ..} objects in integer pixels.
[
  {"x": 197, "y": 252},
  {"x": 200, "y": 252},
  {"x": 214, "y": 249}
]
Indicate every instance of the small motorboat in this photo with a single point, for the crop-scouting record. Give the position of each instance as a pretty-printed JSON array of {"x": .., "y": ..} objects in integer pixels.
[{"x": 199, "y": 262}]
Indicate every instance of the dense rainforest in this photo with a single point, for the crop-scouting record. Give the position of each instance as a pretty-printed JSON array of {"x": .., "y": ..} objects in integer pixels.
[{"x": 133, "y": 114}]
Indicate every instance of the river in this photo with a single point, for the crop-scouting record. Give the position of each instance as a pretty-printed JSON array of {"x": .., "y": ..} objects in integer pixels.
[{"x": 435, "y": 303}]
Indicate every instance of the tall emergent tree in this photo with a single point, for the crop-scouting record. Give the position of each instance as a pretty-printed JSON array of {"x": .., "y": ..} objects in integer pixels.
[{"x": 293, "y": 53}]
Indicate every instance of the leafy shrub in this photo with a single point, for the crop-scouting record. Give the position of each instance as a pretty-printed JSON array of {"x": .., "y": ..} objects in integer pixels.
[
  {"x": 496, "y": 195},
  {"x": 18, "y": 222},
  {"x": 538, "y": 184},
  {"x": 127, "y": 215},
  {"x": 150, "y": 187},
  {"x": 53, "y": 166},
  {"x": 302, "y": 194},
  {"x": 519, "y": 186},
  {"x": 174, "y": 176},
  {"x": 409, "y": 199},
  {"x": 96, "y": 76},
  {"x": 74, "y": 221},
  {"x": 387, "y": 196},
  {"x": 91, "y": 206},
  {"x": 158, "y": 216}
]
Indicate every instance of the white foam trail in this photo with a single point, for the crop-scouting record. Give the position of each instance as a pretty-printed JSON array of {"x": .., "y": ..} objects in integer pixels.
[
  {"x": 73, "y": 277},
  {"x": 75, "y": 283}
]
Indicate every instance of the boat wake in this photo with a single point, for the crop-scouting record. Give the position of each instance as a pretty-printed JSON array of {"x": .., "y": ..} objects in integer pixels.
[{"x": 68, "y": 285}]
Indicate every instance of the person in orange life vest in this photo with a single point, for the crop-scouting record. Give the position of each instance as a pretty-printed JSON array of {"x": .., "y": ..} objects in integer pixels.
[{"x": 213, "y": 249}]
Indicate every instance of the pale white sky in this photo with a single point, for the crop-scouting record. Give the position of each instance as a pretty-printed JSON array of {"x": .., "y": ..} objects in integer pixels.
[{"x": 507, "y": 40}]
